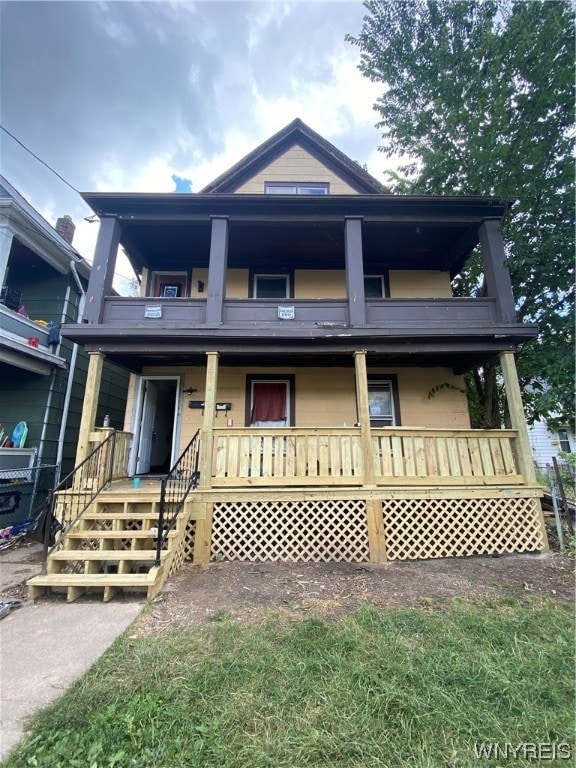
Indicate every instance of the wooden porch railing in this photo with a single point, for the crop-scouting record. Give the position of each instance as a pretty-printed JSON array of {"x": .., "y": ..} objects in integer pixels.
[
  {"x": 291, "y": 456},
  {"x": 121, "y": 450},
  {"x": 444, "y": 457},
  {"x": 326, "y": 456}
]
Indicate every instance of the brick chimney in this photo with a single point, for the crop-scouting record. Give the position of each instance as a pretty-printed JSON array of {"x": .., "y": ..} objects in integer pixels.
[{"x": 65, "y": 228}]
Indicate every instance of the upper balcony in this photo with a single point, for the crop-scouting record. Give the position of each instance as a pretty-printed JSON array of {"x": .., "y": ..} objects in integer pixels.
[{"x": 219, "y": 268}]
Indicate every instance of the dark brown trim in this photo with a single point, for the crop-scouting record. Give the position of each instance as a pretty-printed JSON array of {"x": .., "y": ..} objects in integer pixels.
[{"x": 252, "y": 377}]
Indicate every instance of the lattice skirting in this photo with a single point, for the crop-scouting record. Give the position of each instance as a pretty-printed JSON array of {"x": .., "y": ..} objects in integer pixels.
[
  {"x": 292, "y": 531},
  {"x": 185, "y": 551},
  {"x": 426, "y": 528}
]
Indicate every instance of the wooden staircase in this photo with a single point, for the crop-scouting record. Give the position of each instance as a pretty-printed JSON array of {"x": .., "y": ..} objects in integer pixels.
[{"x": 111, "y": 547}]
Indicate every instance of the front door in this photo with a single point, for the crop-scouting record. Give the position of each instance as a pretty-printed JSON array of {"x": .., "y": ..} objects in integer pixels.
[
  {"x": 146, "y": 441},
  {"x": 155, "y": 428}
]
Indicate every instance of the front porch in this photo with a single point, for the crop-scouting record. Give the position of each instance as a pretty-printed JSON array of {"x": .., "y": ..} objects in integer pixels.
[
  {"x": 304, "y": 495},
  {"x": 351, "y": 494}
]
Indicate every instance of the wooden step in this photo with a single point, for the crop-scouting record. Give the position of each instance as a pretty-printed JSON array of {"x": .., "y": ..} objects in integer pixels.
[
  {"x": 90, "y": 579},
  {"x": 119, "y": 515},
  {"x": 90, "y": 533},
  {"x": 78, "y": 583},
  {"x": 106, "y": 554}
]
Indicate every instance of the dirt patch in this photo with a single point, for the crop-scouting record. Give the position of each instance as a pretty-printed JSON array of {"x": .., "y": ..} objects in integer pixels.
[{"x": 247, "y": 591}]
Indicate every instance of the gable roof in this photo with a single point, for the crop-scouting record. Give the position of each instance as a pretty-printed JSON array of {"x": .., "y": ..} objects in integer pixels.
[{"x": 299, "y": 133}]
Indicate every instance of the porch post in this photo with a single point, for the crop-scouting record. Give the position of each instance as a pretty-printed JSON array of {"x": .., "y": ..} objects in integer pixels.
[
  {"x": 364, "y": 416},
  {"x": 517, "y": 416},
  {"x": 354, "y": 270},
  {"x": 208, "y": 428},
  {"x": 496, "y": 273},
  {"x": 217, "y": 270},
  {"x": 102, "y": 274},
  {"x": 92, "y": 392},
  {"x": 518, "y": 420}
]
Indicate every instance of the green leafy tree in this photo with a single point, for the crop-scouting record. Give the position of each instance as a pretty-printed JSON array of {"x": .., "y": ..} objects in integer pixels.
[{"x": 479, "y": 96}]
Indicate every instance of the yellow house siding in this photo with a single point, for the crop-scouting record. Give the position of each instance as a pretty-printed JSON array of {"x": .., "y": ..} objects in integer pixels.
[
  {"x": 236, "y": 283},
  {"x": 331, "y": 284},
  {"x": 419, "y": 283},
  {"x": 296, "y": 164},
  {"x": 325, "y": 397},
  {"x": 447, "y": 409},
  {"x": 128, "y": 413},
  {"x": 319, "y": 284}
]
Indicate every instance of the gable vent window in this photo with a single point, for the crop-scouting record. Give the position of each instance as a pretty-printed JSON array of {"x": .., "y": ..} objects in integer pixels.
[{"x": 280, "y": 188}]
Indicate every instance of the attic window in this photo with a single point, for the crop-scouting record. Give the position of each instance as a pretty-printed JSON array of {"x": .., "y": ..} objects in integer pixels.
[{"x": 297, "y": 188}]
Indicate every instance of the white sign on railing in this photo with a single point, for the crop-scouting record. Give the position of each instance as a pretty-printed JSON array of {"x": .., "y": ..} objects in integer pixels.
[
  {"x": 286, "y": 313},
  {"x": 153, "y": 310}
]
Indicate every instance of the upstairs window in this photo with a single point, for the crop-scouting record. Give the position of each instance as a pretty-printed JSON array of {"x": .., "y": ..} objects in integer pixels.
[
  {"x": 169, "y": 285},
  {"x": 271, "y": 287},
  {"x": 374, "y": 287},
  {"x": 296, "y": 188}
]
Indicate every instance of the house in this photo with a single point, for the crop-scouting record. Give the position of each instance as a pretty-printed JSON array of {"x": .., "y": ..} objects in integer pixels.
[
  {"x": 548, "y": 442},
  {"x": 297, "y": 348},
  {"x": 42, "y": 374}
]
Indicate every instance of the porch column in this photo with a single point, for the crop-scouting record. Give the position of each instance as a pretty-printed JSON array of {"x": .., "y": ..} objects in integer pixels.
[
  {"x": 517, "y": 416},
  {"x": 92, "y": 392},
  {"x": 518, "y": 420},
  {"x": 354, "y": 270},
  {"x": 364, "y": 416},
  {"x": 496, "y": 273},
  {"x": 102, "y": 274},
  {"x": 208, "y": 427},
  {"x": 6, "y": 237},
  {"x": 217, "y": 270}
]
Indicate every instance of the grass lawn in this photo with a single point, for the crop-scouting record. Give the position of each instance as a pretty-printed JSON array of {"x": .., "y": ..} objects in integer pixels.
[{"x": 411, "y": 687}]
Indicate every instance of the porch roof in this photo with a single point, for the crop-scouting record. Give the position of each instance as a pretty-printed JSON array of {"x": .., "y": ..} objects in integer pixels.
[
  {"x": 461, "y": 352},
  {"x": 404, "y": 231}
]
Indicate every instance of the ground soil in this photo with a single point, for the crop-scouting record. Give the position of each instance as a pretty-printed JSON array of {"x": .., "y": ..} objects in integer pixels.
[{"x": 249, "y": 591}]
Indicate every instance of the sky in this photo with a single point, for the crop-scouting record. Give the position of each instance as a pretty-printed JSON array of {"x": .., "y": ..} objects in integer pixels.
[{"x": 123, "y": 96}]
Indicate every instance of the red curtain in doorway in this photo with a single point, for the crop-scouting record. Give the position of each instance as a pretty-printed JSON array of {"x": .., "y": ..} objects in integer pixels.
[{"x": 269, "y": 402}]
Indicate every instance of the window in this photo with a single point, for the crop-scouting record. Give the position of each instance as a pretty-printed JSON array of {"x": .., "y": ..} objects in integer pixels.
[
  {"x": 296, "y": 188},
  {"x": 270, "y": 400},
  {"x": 271, "y": 287},
  {"x": 383, "y": 402},
  {"x": 169, "y": 285},
  {"x": 374, "y": 286},
  {"x": 564, "y": 440}
]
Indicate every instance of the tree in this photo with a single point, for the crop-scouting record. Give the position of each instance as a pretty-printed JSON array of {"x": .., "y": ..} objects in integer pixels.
[{"x": 479, "y": 96}]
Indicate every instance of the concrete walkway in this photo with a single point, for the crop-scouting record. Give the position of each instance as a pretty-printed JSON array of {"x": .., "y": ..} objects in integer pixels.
[{"x": 47, "y": 645}]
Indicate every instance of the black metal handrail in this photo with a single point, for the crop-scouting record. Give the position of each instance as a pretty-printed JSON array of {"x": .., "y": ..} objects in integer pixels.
[
  {"x": 174, "y": 491},
  {"x": 77, "y": 491}
]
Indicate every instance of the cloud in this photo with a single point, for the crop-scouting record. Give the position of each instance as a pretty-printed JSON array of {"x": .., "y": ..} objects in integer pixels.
[{"x": 122, "y": 96}]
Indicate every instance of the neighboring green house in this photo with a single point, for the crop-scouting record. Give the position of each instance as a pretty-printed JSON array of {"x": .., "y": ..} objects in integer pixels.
[{"x": 42, "y": 375}]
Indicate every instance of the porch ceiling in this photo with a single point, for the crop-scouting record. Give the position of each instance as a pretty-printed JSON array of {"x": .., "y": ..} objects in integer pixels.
[
  {"x": 458, "y": 358},
  {"x": 298, "y": 246},
  {"x": 399, "y": 232}
]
